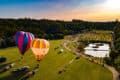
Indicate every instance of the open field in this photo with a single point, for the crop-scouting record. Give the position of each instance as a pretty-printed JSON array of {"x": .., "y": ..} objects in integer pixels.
[
  {"x": 79, "y": 69},
  {"x": 97, "y": 35}
]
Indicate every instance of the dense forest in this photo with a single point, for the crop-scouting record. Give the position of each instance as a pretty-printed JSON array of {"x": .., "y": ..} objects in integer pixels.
[
  {"x": 114, "y": 59},
  {"x": 48, "y": 29}
]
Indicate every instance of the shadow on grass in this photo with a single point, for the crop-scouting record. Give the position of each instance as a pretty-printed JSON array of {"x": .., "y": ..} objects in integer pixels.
[
  {"x": 3, "y": 65},
  {"x": 7, "y": 66},
  {"x": 14, "y": 76}
]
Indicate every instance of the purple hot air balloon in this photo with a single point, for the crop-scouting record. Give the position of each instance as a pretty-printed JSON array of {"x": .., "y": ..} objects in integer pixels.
[{"x": 23, "y": 40}]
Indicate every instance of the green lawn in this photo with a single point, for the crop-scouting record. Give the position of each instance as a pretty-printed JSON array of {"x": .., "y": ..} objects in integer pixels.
[{"x": 80, "y": 69}]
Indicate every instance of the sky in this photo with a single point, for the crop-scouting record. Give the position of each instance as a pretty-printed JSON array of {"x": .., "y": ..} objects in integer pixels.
[{"x": 90, "y": 10}]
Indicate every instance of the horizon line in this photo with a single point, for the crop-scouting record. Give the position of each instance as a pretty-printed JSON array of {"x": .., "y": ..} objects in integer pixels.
[{"x": 63, "y": 19}]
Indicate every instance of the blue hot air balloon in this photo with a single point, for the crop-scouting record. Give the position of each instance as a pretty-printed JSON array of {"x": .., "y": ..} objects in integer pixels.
[{"x": 22, "y": 40}]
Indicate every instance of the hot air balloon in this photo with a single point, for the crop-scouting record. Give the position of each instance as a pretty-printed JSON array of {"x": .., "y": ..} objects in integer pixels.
[
  {"x": 23, "y": 40},
  {"x": 40, "y": 48}
]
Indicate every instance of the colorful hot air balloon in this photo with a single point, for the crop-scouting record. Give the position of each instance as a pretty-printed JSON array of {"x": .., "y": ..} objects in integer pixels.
[
  {"x": 40, "y": 48},
  {"x": 23, "y": 40}
]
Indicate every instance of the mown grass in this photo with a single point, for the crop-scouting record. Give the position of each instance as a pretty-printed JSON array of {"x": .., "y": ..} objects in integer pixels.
[{"x": 80, "y": 69}]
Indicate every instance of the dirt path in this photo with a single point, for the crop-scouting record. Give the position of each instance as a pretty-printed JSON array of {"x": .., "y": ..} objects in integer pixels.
[
  {"x": 110, "y": 68},
  {"x": 114, "y": 71}
]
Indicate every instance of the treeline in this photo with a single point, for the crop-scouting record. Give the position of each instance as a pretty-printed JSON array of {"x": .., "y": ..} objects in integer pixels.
[
  {"x": 114, "y": 59},
  {"x": 48, "y": 29}
]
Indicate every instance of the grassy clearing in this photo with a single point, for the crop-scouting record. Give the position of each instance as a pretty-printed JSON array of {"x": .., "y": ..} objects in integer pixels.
[
  {"x": 97, "y": 35},
  {"x": 73, "y": 45},
  {"x": 80, "y": 69}
]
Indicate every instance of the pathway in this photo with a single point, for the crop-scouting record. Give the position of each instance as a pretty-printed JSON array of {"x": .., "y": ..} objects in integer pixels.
[{"x": 110, "y": 68}]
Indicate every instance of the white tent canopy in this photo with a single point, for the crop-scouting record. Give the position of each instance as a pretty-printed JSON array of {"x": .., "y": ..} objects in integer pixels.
[{"x": 98, "y": 50}]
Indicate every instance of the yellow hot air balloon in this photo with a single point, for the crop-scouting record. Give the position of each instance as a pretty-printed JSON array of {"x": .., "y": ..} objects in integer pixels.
[{"x": 40, "y": 48}]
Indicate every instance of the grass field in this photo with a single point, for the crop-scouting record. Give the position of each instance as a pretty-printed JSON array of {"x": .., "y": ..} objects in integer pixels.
[
  {"x": 97, "y": 35},
  {"x": 73, "y": 45},
  {"x": 80, "y": 69}
]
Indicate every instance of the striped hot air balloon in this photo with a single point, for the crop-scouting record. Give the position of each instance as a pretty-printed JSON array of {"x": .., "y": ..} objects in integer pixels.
[
  {"x": 23, "y": 40},
  {"x": 40, "y": 48}
]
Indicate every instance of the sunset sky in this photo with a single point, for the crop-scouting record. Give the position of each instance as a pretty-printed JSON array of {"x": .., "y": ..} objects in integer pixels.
[{"x": 92, "y": 10}]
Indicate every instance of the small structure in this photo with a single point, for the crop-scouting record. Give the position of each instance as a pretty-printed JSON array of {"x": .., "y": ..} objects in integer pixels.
[
  {"x": 61, "y": 51},
  {"x": 99, "y": 50}
]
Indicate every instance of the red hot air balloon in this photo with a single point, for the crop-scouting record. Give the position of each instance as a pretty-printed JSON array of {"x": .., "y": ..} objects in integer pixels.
[{"x": 23, "y": 40}]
